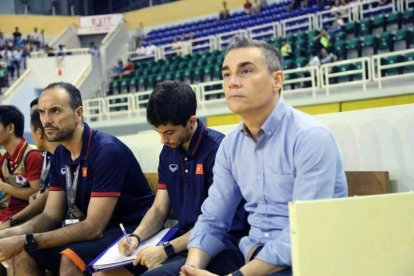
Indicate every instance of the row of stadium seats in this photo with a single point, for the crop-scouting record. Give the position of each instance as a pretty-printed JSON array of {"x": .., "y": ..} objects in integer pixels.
[
  {"x": 355, "y": 39},
  {"x": 207, "y": 27}
]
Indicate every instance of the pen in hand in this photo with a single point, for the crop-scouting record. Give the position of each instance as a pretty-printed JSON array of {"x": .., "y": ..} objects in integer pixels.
[{"x": 126, "y": 236}]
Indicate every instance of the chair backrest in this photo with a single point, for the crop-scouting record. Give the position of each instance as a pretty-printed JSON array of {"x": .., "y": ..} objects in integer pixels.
[
  {"x": 368, "y": 182},
  {"x": 152, "y": 179}
]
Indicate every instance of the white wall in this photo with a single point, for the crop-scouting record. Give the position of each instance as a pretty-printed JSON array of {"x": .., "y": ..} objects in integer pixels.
[
  {"x": 378, "y": 139},
  {"x": 44, "y": 70}
]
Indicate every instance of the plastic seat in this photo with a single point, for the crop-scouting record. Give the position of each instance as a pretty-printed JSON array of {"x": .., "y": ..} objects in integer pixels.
[
  {"x": 385, "y": 42},
  {"x": 340, "y": 49},
  {"x": 408, "y": 16},
  {"x": 379, "y": 24},
  {"x": 365, "y": 26},
  {"x": 394, "y": 21},
  {"x": 402, "y": 39},
  {"x": 353, "y": 48},
  {"x": 369, "y": 45},
  {"x": 389, "y": 61},
  {"x": 408, "y": 68}
]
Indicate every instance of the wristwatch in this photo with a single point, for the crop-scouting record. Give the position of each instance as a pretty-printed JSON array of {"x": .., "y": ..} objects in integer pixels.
[
  {"x": 31, "y": 243},
  {"x": 169, "y": 249}
]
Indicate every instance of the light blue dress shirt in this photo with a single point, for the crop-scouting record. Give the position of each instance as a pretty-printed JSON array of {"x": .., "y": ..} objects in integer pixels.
[{"x": 295, "y": 158}]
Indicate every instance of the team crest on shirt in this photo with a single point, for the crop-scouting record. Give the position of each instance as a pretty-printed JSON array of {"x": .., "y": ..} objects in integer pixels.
[
  {"x": 173, "y": 167},
  {"x": 21, "y": 181},
  {"x": 63, "y": 171}
]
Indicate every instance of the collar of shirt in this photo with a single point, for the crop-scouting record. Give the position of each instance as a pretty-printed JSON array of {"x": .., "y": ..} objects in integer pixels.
[
  {"x": 272, "y": 122},
  {"x": 17, "y": 155},
  {"x": 196, "y": 139},
  {"x": 86, "y": 145}
]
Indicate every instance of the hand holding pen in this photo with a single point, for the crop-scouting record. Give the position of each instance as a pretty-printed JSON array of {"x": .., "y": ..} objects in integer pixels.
[{"x": 128, "y": 243}]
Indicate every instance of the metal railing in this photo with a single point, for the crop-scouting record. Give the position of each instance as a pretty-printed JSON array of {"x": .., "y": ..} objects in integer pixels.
[
  {"x": 314, "y": 80},
  {"x": 392, "y": 66},
  {"x": 344, "y": 73}
]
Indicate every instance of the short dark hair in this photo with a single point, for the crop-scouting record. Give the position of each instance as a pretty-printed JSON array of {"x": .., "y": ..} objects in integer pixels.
[
  {"x": 171, "y": 102},
  {"x": 35, "y": 120},
  {"x": 74, "y": 93},
  {"x": 271, "y": 55},
  {"x": 34, "y": 102},
  {"x": 10, "y": 114}
]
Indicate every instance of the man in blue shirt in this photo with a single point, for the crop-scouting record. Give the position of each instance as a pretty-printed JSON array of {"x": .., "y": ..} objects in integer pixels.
[
  {"x": 95, "y": 184},
  {"x": 185, "y": 175},
  {"x": 277, "y": 155}
]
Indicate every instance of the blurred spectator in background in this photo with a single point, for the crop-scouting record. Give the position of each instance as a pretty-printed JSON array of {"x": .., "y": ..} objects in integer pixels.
[
  {"x": 224, "y": 13},
  {"x": 150, "y": 49},
  {"x": 36, "y": 39},
  {"x": 327, "y": 57},
  {"x": 17, "y": 34},
  {"x": 336, "y": 24},
  {"x": 8, "y": 58},
  {"x": 257, "y": 6},
  {"x": 323, "y": 39},
  {"x": 17, "y": 60},
  {"x": 2, "y": 40},
  {"x": 286, "y": 49},
  {"x": 248, "y": 7},
  {"x": 94, "y": 50},
  {"x": 3, "y": 76},
  {"x": 128, "y": 69},
  {"x": 314, "y": 59},
  {"x": 176, "y": 45},
  {"x": 185, "y": 46},
  {"x": 61, "y": 52},
  {"x": 117, "y": 70},
  {"x": 297, "y": 4},
  {"x": 140, "y": 50}
]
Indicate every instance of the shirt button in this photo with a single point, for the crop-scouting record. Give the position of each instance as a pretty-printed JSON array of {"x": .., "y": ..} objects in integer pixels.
[
  {"x": 258, "y": 151},
  {"x": 258, "y": 177},
  {"x": 185, "y": 158},
  {"x": 186, "y": 171},
  {"x": 266, "y": 235}
]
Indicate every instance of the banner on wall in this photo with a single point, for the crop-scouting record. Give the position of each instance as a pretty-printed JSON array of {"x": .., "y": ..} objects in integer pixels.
[{"x": 99, "y": 24}]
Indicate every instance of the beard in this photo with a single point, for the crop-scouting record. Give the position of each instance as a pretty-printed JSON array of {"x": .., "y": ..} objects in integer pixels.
[{"x": 60, "y": 134}]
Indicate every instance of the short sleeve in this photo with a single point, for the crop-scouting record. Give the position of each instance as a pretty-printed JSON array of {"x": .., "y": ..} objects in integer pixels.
[{"x": 33, "y": 164}]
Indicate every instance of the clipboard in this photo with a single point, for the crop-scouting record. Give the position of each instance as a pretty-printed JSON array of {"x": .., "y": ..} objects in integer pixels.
[{"x": 111, "y": 258}]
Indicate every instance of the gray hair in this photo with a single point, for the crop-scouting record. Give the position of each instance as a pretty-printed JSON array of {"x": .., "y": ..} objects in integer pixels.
[{"x": 270, "y": 54}]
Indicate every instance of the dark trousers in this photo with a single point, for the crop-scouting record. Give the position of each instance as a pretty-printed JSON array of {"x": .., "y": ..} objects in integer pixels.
[{"x": 224, "y": 263}]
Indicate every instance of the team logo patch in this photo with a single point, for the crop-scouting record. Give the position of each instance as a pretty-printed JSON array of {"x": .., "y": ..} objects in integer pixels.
[
  {"x": 199, "y": 169},
  {"x": 63, "y": 171},
  {"x": 20, "y": 180},
  {"x": 173, "y": 167}
]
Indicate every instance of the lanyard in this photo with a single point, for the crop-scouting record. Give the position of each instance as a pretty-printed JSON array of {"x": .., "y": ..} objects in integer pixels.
[
  {"x": 71, "y": 187},
  {"x": 44, "y": 173}
]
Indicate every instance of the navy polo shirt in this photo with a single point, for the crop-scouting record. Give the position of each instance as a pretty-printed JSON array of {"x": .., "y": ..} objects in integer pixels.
[
  {"x": 108, "y": 168},
  {"x": 187, "y": 176}
]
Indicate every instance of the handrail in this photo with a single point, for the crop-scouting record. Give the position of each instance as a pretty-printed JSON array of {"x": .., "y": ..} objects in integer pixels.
[
  {"x": 83, "y": 75},
  {"x": 62, "y": 33},
  {"x": 16, "y": 84},
  {"x": 76, "y": 51}
]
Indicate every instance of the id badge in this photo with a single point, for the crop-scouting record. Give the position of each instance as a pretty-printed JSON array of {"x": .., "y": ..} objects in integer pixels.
[{"x": 67, "y": 222}]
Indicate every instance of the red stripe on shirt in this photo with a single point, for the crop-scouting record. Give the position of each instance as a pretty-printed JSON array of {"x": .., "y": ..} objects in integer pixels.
[
  {"x": 51, "y": 188},
  {"x": 162, "y": 186},
  {"x": 104, "y": 194}
]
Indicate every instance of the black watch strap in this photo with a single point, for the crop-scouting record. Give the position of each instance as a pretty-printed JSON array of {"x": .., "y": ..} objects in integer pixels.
[
  {"x": 169, "y": 249},
  {"x": 30, "y": 243},
  {"x": 137, "y": 237}
]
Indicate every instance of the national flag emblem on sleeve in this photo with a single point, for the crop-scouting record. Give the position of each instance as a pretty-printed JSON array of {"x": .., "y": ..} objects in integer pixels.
[
  {"x": 84, "y": 171},
  {"x": 199, "y": 169}
]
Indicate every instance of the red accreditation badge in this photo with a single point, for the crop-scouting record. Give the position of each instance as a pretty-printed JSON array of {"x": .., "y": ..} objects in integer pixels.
[
  {"x": 84, "y": 171},
  {"x": 199, "y": 169}
]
